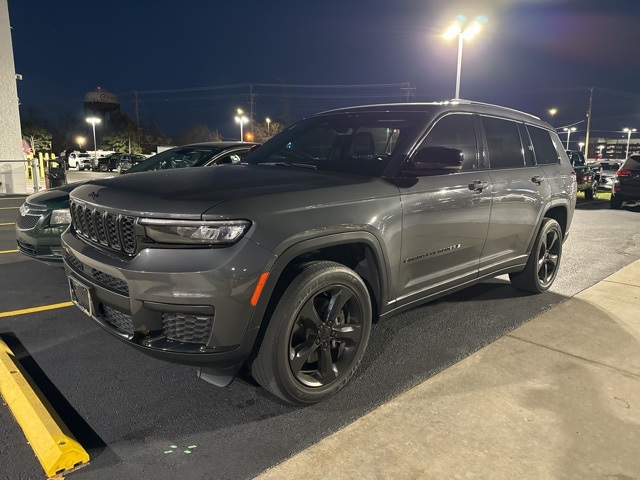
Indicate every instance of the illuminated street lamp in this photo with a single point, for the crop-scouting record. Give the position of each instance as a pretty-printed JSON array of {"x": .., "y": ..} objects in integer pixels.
[
  {"x": 628, "y": 131},
  {"x": 93, "y": 121},
  {"x": 80, "y": 141},
  {"x": 241, "y": 119},
  {"x": 569, "y": 130},
  {"x": 468, "y": 33},
  {"x": 580, "y": 145},
  {"x": 268, "y": 120},
  {"x": 553, "y": 111}
]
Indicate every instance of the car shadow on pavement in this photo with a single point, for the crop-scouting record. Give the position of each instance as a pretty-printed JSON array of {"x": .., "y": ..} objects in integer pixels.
[{"x": 75, "y": 424}]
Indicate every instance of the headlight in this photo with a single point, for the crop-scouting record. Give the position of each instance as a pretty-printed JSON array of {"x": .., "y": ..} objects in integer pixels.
[
  {"x": 195, "y": 232},
  {"x": 60, "y": 217}
]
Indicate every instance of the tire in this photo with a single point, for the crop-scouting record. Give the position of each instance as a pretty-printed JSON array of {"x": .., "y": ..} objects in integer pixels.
[
  {"x": 615, "y": 202},
  {"x": 310, "y": 348},
  {"x": 103, "y": 167},
  {"x": 544, "y": 260},
  {"x": 590, "y": 193}
]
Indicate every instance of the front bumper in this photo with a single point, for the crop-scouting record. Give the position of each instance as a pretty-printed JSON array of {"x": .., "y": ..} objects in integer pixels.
[
  {"x": 189, "y": 306},
  {"x": 41, "y": 242}
]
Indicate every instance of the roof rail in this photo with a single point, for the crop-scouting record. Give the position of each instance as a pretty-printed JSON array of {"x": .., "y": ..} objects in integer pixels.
[{"x": 473, "y": 102}]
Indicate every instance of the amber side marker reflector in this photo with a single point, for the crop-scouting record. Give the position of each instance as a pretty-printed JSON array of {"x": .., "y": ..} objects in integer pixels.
[
  {"x": 256, "y": 293},
  {"x": 59, "y": 453}
]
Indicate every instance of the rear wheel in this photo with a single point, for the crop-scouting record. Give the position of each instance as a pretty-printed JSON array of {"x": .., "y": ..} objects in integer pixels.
[
  {"x": 317, "y": 334},
  {"x": 103, "y": 167},
  {"x": 542, "y": 266},
  {"x": 591, "y": 192},
  {"x": 615, "y": 202}
]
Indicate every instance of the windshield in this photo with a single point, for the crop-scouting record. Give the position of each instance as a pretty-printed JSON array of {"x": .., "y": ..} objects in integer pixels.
[
  {"x": 610, "y": 166},
  {"x": 179, "y": 157},
  {"x": 361, "y": 143}
]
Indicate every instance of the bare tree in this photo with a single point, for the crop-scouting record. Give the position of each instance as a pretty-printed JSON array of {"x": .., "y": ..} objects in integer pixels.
[
  {"x": 264, "y": 131},
  {"x": 197, "y": 133}
]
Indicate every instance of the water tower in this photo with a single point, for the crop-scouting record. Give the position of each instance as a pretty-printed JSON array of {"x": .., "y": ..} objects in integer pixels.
[{"x": 101, "y": 102}]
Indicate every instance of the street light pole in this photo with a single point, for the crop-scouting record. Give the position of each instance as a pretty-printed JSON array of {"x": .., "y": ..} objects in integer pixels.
[
  {"x": 569, "y": 130},
  {"x": 268, "y": 120},
  {"x": 241, "y": 119},
  {"x": 467, "y": 34},
  {"x": 93, "y": 121},
  {"x": 628, "y": 131}
]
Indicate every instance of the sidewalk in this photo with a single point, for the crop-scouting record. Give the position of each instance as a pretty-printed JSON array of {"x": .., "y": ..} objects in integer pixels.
[{"x": 557, "y": 398}]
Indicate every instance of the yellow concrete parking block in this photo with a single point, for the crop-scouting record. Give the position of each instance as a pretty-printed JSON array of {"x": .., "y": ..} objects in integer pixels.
[
  {"x": 49, "y": 438},
  {"x": 6, "y": 224},
  {"x": 9, "y": 208},
  {"x": 8, "y": 251}
]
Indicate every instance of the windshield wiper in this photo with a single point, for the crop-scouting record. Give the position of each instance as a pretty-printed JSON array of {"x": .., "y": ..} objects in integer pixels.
[{"x": 290, "y": 164}]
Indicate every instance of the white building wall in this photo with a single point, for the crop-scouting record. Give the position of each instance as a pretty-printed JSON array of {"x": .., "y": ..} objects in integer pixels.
[{"x": 12, "y": 174}]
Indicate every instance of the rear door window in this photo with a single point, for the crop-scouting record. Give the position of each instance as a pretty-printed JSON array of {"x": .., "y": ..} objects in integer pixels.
[
  {"x": 546, "y": 152},
  {"x": 503, "y": 143}
]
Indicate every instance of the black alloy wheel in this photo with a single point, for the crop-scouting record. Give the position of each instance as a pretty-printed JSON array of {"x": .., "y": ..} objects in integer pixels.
[
  {"x": 103, "y": 167},
  {"x": 544, "y": 260},
  {"x": 317, "y": 334}
]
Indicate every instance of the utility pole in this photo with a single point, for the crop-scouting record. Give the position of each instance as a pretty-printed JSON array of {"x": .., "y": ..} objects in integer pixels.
[
  {"x": 137, "y": 112},
  {"x": 586, "y": 141},
  {"x": 408, "y": 91},
  {"x": 252, "y": 106}
]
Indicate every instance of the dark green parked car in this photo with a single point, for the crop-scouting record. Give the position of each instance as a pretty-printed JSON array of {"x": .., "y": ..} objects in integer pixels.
[{"x": 45, "y": 215}]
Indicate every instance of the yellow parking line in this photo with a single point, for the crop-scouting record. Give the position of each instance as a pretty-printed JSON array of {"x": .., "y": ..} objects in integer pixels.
[
  {"x": 8, "y": 251},
  {"x": 36, "y": 309},
  {"x": 9, "y": 208},
  {"x": 48, "y": 436},
  {"x": 6, "y": 224}
]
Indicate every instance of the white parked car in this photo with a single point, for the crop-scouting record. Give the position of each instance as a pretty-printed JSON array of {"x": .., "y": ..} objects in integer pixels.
[{"x": 79, "y": 160}]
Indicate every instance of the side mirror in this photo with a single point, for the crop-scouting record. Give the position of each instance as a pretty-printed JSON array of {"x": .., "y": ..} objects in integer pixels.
[{"x": 445, "y": 159}]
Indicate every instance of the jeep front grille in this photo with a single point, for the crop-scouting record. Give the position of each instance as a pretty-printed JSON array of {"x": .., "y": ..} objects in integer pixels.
[{"x": 105, "y": 228}]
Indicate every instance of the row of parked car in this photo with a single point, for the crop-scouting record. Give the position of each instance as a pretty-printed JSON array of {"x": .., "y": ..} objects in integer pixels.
[{"x": 616, "y": 176}]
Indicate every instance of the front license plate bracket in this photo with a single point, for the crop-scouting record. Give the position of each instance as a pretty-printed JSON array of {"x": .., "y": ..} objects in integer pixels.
[{"x": 81, "y": 296}]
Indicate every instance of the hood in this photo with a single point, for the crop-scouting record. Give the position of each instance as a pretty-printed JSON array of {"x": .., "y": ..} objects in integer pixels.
[
  {"x": 188, "y": 193},
  {"x": 57, "y": 197}
]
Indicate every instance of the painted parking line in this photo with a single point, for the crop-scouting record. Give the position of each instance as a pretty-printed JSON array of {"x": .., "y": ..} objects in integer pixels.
[
  {"x": 9, "y": 208},
  {"x": 6, "y": 224},
  {"x": 42, "y": 308},
  {"x": 8, "y": 251}
]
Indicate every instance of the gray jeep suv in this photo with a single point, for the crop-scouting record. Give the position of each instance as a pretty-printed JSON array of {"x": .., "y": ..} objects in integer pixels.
[{"x": 284, "y": 261}]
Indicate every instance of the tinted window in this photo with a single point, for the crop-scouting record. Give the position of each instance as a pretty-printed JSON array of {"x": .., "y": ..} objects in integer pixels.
[
  {"x": 503, "y": 143},
  {"x": 361, "y": 143},
  {"x": 526, "y": 143},
  {"x": 543, "y": 146},
  {"x": 179, "y": 157},
  {"x": 632, "y": 163},
  {"x": 450, "y": 145}
]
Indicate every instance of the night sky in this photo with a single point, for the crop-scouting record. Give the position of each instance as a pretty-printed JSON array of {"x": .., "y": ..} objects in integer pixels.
[{"x": 531, "y": 55}]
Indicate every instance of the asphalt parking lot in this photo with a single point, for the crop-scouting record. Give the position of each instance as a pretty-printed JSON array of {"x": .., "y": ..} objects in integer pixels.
[{"x": 138, "y": 417}]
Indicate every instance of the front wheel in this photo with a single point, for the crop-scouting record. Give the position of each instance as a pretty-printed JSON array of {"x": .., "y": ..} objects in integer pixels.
[
  {"x": 544, "y": 260},
  {"x": 103, "y": 167},
  {"x": 317, "y": 334}
]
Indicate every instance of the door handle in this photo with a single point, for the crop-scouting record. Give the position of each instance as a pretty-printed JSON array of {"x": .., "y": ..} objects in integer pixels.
[
  {"x": 537, "y": 179},
  {"x": 478, "y": 185}
]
